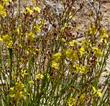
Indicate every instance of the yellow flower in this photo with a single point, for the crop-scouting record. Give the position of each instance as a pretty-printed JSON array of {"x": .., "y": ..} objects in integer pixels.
[
  {"x": 37, "y": 28},
  {"x": 57, "y": 56},
  {"x": 97, "y": 92},
  {"x": 97, "y": 51},
  {"x": 82, "y": 98},
  {"x": 19, "y": 85},
  {"x": 73, "y": 43},
  {"x": 29, "y": 10},
  {"x": 12, "y": 95},
  {"x": 9, "y": 44},
  {"x": 103, "y": 33},
  {"x": 55, "y": 65},
  {"x": 81, "y": 69},
  {"x": 31, "y": 82},
  {"x": 7, "y": 40},
  {"x": 23, "y": 73},
  {"x": 30, "y": 36},
  {"x": 82, "y": 51},
  {"x": 19, "y": 96},
  {"x": 63, "y": 40},
  {"x": 18, "y": 30},
  {"x": 39, "y": 76},
  {"x": 37, "y": 9},
  {"x": 33, "y": 1},
  {"x": 12, "y": 92},
  {"x": 71, "y": 101},
  {"x": 2, "y": 11},
  {"x": 18, "y": 91},
  {"x": 11, "y": 89},
  {"x": 92, "y": 30},
  {"x": 69, "y": 53},
  {"x": 6, "y": 2},
  {"x": 1, "y": 40},
  {"x": 103, "y": 40}
]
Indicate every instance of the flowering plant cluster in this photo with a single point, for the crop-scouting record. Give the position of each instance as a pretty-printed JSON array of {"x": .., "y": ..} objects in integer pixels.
[{"x": 53, "y": 53}]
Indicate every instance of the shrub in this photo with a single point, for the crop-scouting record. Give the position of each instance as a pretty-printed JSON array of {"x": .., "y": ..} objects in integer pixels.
[{"x": 53, "y": 54}]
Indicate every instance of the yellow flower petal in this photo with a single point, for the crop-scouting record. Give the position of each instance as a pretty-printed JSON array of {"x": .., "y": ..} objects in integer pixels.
[
  {"x": 37, "y": 9},
  {"x": 55, "y": 65},
  {"x": 1, "y": 40}
]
